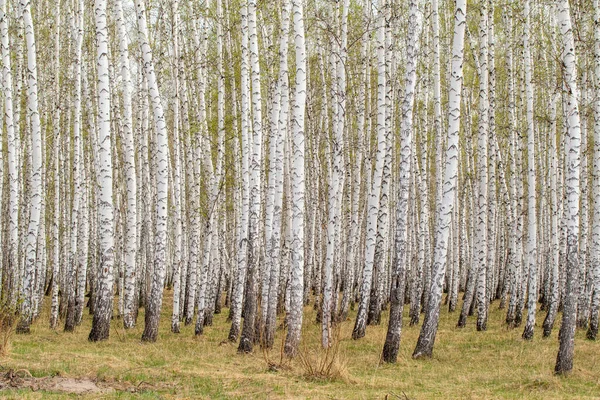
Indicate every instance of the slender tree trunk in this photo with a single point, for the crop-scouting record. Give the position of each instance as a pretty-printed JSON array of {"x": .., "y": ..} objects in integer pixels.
[
  {"x": 247, "y": 337},
  {"x": 162, "y": 175},
  {"x": 481, "y": 233},
  {"x": 130, "y": 250},
  {"x": 564, "y": 359},
  {"x": 104, "y": 290},
  {"x": 392, "y": 340},
  {"x": 595, "y": 244},
  {"x": 554, "y": 246},
  {"x": 242, "y": 260},
  {"x": 374, "y": 197},
  {"x": 35, "y": 192},
  {"x": 531, "y": 206},
  {"x": 429, "y": 328},
  {"x": 73, "y": 261},
  {"x": 294, "y": 320},
  {"x": 274, "y": 247},
  {"x": 12, "y": 149}
]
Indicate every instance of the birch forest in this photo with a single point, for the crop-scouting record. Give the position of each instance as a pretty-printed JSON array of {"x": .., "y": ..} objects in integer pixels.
[{"x": 292, "y": 176}]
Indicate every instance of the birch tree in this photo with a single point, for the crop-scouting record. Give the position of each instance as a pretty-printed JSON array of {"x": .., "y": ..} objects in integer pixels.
[
  {"x": 104, "y": 290},
  {"x": 531, "y": 184},
  {"x": 130, "y": 245},
  {"x": 374, "y": 197},
  {"x": 564, "y": 359},
  {"x": 392, "y": 340},
  {"x": 292, "y": 339},
  {"x": 35, "y": 195},
  {"x": 428, "y": 332},
  {"x": 162, "y": 175}
]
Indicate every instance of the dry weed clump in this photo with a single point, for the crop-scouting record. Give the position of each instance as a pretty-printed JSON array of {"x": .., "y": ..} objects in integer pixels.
[
  {"x": 281, "y": 362},
  {"x": 8, "y": 317},
  {"x": 321, "y": 364}
]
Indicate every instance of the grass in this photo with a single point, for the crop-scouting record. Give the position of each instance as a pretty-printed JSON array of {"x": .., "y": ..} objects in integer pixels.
[{"x": 466, "y": 364}]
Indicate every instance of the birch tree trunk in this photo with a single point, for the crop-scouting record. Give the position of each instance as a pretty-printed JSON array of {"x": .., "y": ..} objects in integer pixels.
[
  {"x": 481, "y": 244},
  {"x": 247, "y": 337},
  {"x": 292, "y": 339},
  {"x": 12, "y": 147},
  {"x": 242, "y": 255},
  {"x": 531, "y": 190},
  {"x": 104, "y": 290},
  {"x": 35, "y": 193},
  {"x": 428, "y": 332},
  {"x": 162, "y": 176},
  {"x": 373, "y": 202},
  {"x": 592, "y": 332},
  {"x": 392, "y": 340},
  {"x": 564, "y": 359},
  {"x": 73, "y": 261},
  {"x": 274, "y": 246},
  {"x": 554, "y": 246},
  {"x": 130, "y": 249}
]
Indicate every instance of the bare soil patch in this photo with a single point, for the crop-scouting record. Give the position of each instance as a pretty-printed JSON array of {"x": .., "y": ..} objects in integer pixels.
[{"x": 21, "y": 379}]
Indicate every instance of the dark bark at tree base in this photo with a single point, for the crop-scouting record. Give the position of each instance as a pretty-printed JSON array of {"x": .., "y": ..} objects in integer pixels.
[
  {"x": 100, "y": 331},
  {"x": 510, "y": 319},
  {"x": 245, "y": 346},
  {"x": 548, "y": 324},
  {"x": 23, "y": 327},
  {"x": 360, "y": 325},
  {"x": 528, "y": 332},
  {"x": 482, "y": 325},
  {"x": 502, "y": 304},
  {"x": 70, "y": 318},
  {"x": 592, "y": 332},
  {"x": 233, "y": 334},
  {"x": 452, "y": 303},
  {"x": 473, "y": 306},
  {"x": 374, "y": 314},
  {"x": 414, "y": 319},
  {"x": 375, "y": 318},
  {"x": 462, "y": 320},
  {"x": 582, "y": 323},
  {"x": 208, "y": 318},
  {"x": 290, "y": 349},
  {"x": 394, "y": 331},
  {"x": 518, "y": 318},
  {"x": 151, "y": 326}
]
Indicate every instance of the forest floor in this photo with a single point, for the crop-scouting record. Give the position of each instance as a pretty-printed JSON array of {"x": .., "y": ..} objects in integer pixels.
[{"x": 466, "y": 364}]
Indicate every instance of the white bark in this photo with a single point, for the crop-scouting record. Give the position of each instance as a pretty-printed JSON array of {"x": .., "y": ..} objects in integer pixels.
[
  {"x": 373, "y": 202},
  {"x": 564, "y": 361},
  {"x": 12, "y": 144},
  {"x": 242, "y": 255},
  {"x": 531, "y": 186},
  {"x": 281, "y": 112},
  {"x": 298, "y": 185},
  {"x": 104, "y": 278},
  {"x": 429, "y": 328},
  {"x": 73, "y": 260},
  {"x": 595, "y": 242},
  {"x": 130, "y": 175},
  {"x": 481, "y": 244},
  {"x": 394, "y": 331},
  {"x": 35, "y": 194},
  {"x": 162, "y": 176}
]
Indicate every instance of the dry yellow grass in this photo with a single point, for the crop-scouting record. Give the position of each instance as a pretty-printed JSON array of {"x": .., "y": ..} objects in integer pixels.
[{"x": 467, "y": 364}]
